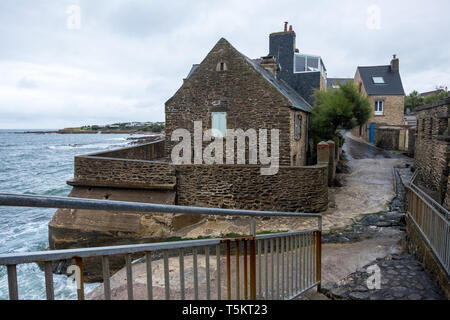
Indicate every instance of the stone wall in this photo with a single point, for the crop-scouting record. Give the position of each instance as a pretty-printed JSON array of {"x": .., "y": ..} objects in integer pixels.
[
  {"x": 294, "y": 189},
  {"x": 149, "y": 151},
  {"x": 411, "y": 141},
  {"x": 123, "y": 173},
  {"x": 418, "y": 247},
  {"x": 432, "y": 154},
  {"x": 389, "y": 137}
]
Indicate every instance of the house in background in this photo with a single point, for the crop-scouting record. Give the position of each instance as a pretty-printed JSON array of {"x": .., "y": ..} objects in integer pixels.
[
  {"x": 383, "y": 86},
  {"x": 333, "y": 83},
  {"x": 303, "y": 72}
]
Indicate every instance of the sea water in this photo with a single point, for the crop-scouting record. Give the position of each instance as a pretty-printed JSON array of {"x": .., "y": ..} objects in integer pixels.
[{"x": 39, "y": 164}]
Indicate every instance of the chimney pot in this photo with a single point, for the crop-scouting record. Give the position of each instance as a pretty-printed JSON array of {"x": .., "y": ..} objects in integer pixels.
[
  {"x": 285, "y": 26},
  {"x": 395, "y": 63},
  {"x": 290, "y": 28}
]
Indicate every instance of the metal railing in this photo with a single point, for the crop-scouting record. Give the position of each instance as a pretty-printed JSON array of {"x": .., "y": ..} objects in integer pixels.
[
  {"x": 269, "y": 266},
  {"x": 432, "y": 221}
]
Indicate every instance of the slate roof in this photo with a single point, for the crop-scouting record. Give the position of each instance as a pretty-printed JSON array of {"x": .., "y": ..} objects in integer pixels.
[
  {"x": 393, "y": 82},
  {"x": 332, "y": 81},
  {"x": 194, "y": 67},
  {"x": 296, "y": 100}
]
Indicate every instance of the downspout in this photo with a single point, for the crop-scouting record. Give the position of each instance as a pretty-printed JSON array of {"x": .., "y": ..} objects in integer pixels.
[{"x": 307, "y": 132}]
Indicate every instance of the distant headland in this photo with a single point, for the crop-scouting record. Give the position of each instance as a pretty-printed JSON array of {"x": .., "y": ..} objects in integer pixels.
[{"x": 116, "y": 128}]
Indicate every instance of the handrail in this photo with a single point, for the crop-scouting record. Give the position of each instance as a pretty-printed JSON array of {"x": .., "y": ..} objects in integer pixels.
[
  {"x": 299, "y": 252},
  {"x": 110, "y": 205},
  {"x": 443, "y": 211},
  {"x": 433, "y": 225}
]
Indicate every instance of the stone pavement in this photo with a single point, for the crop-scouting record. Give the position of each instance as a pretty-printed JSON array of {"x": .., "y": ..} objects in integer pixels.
[{"x": 402, "y": 277}]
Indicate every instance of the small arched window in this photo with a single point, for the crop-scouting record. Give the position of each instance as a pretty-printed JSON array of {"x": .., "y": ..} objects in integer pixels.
[{"x": 222, "y": 66}]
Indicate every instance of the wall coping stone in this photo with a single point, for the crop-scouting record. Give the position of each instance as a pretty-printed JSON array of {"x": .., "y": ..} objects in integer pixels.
[
  {"x": 120, "y": 185},
  {"x": 433, "y": 105},
  {"x": 94, "y": 154}
]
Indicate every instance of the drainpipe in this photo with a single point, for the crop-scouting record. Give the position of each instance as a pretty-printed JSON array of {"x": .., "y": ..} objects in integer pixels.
[{"x": 307, "y": 132}]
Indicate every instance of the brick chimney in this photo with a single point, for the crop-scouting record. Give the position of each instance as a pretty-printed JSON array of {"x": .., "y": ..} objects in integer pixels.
[
  {"x": 395, "y": 64},
  {"x": 270, "y": 64}
]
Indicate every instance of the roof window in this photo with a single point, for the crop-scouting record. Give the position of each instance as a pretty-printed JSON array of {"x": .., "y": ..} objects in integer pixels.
[{"x": 378, "y": 80}]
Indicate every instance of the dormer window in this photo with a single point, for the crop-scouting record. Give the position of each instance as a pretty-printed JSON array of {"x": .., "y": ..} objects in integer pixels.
[
  {"x": 378, "y": 80},
  {"x": 307, "y": 63}
]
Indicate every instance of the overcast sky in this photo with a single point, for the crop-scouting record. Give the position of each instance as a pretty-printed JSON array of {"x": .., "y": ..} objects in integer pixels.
[{"x": 121, "y": 60}]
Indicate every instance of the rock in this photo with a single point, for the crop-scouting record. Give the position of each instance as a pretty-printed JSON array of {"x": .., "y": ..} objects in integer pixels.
[
  {"x": 359, "y": 295},
  {"x": 415, "y": 296}
]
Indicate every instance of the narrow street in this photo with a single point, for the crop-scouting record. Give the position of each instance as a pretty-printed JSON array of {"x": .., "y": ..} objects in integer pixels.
[
  {"x": 356, "y": 149},
  {"x": 375, "y": 237}
]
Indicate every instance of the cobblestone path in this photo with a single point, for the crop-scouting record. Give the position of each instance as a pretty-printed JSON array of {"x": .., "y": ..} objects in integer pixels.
[{"x": 402, "y": 277}]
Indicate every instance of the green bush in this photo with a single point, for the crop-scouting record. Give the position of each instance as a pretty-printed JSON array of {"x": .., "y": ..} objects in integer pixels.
[{"x": 379, "y": 142}]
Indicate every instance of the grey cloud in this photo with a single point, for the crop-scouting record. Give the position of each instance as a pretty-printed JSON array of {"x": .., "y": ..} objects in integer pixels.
[
  {"x": 26, "y": 83},
  {"x": 129, "y": 57}
]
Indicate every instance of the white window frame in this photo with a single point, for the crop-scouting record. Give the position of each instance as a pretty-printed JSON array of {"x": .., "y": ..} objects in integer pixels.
[
  {"x": 221, "y": 129},
  {"x": 379, "y": 103}
]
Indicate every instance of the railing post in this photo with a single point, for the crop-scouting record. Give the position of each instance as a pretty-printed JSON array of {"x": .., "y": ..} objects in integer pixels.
[
  {"x": 253, "y": 269},
  {"x": 80, "y": 284},
  {"x": 228, "y": 269},
  {"x": 318, "y": 259},
  {"x": 12, "y": 282}
]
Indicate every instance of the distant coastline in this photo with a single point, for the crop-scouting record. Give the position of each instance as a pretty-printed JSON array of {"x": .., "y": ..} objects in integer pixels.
[
  {"x": 116, "y": 128},
  {"x": 73, "y": 131}
]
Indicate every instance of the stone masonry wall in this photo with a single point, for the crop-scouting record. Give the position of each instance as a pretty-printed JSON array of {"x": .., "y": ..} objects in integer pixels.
[
  {"x": 296, "y": 189},
  {"x": 149, "y": 151},
  {"x": 432, "y": 147},
  {"x": 389, "y": 137},
  {"x": 125, "y": 173},
  {"x": 411, "y": 141}
]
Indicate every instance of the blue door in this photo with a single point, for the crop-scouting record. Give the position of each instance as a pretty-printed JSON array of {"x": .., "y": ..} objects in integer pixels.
[{"x": 372, "y": 133}]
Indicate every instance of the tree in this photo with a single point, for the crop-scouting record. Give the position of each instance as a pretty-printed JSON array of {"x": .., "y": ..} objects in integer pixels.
[
  {"x": 361, "y": 105},
  {"x": 435, "y": 97},
  {"x": 414, "y": 100},
  {"x": 342, "y": 108}
]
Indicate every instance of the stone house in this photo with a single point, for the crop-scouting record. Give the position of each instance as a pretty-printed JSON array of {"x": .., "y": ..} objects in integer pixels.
[
  {"x": 383, "y": 86},
  {"x": 230, "y": 91},
  {"x": 226, "y": 90}
]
